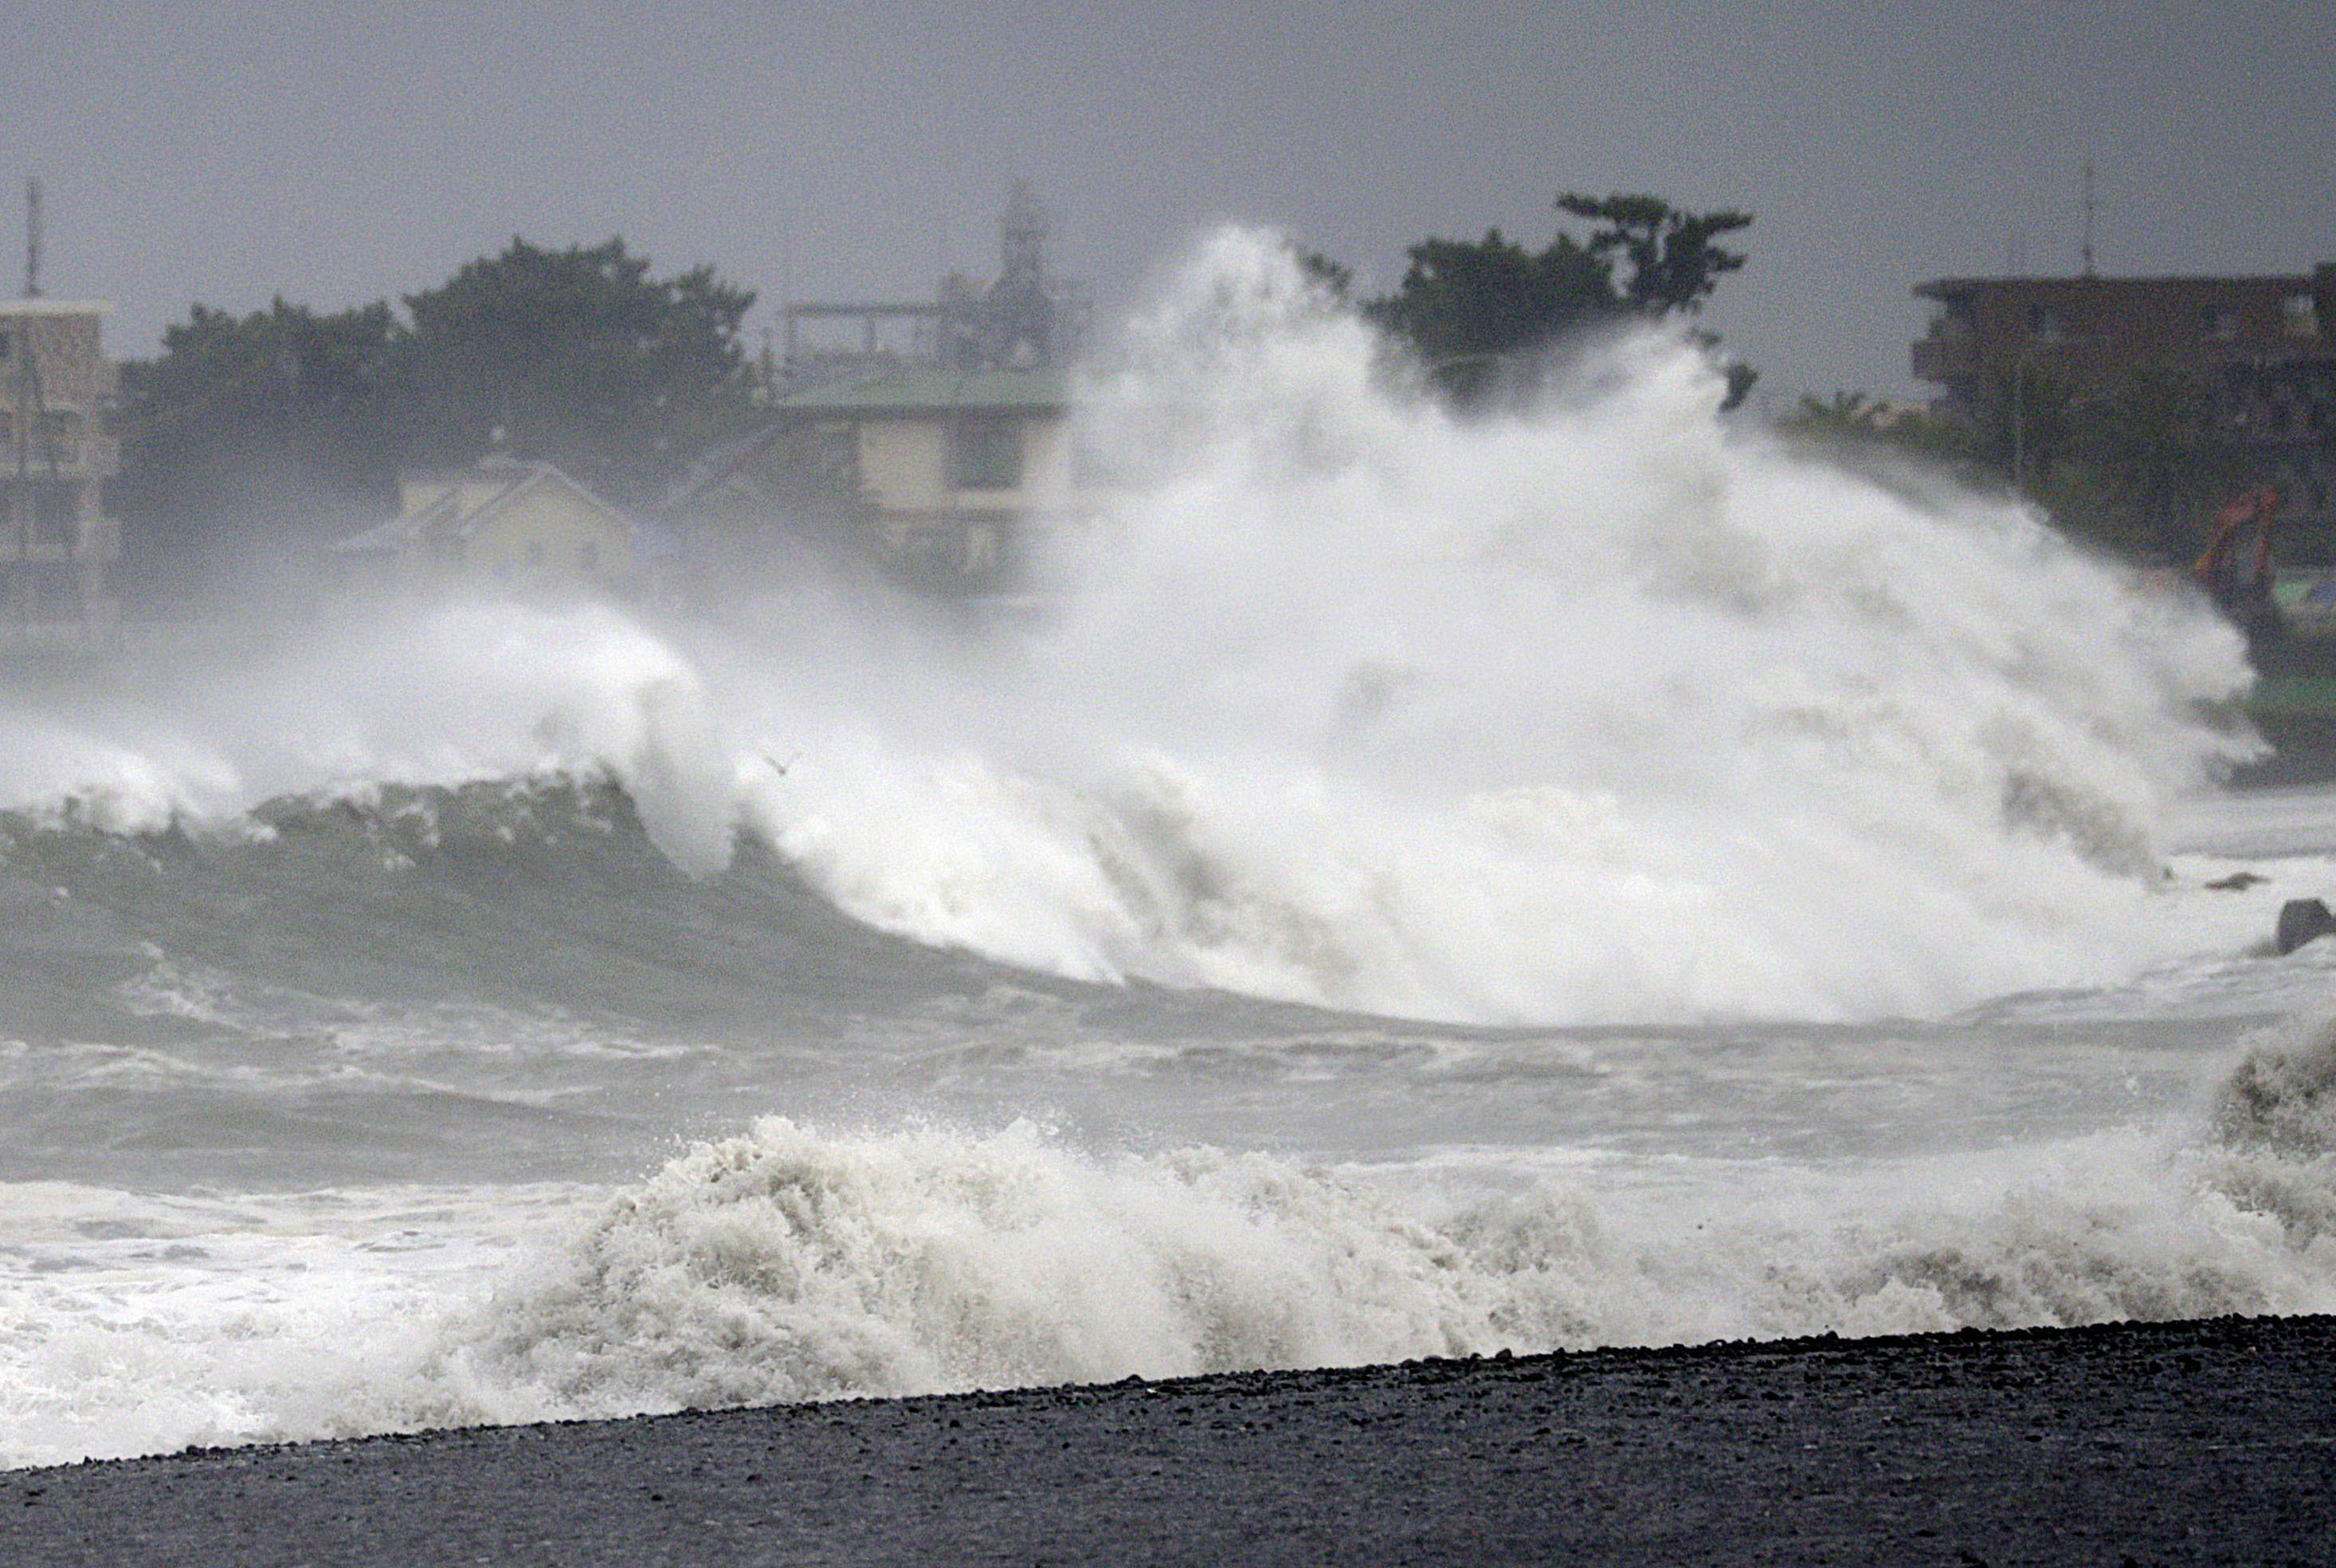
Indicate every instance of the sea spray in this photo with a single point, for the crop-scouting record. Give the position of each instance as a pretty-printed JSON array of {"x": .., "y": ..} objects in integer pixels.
[
  {"x": 1594, "y": 710},
  {"x": 331, "y": 945},
  {"x": 787, "y": 1262}
]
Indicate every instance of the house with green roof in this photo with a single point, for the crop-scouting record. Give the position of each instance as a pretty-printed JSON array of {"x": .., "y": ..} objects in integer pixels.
[{"x": 942, "y": 475}]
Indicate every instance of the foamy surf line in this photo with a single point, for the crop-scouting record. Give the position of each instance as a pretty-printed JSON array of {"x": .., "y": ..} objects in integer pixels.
[
  {"x": 789, "y": 1264},
  {"x": 2182, "y": 1442}
]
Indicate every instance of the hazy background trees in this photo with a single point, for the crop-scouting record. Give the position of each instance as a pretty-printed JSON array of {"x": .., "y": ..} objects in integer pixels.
[
  {"x": 250, "y": 442},
  {"x": 579, "y": 358},
  {"x": 2138, "y": 467}
]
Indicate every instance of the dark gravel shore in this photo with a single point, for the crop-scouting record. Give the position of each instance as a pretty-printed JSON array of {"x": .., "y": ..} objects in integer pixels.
[{"x": 2150, "y": 1443}]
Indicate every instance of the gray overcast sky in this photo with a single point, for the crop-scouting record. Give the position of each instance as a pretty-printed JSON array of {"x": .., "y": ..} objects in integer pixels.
[{"x": 228, "y": 151}]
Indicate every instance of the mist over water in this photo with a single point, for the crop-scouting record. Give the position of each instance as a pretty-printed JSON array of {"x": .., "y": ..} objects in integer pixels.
[
  {"x": 1595, "y": 710},
  {"x": 1403, "y": 884},
  {"x": 1591, "y": 712}
]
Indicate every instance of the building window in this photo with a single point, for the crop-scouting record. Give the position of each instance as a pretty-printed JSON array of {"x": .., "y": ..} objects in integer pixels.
[
  {"x": 2219, "y": 321},
  {"x": 7, "y": 344},
  {"x": 2044, "y": 322},
  {"x": 2299, "y": 317},
  {"x": 985, "y": 454}
]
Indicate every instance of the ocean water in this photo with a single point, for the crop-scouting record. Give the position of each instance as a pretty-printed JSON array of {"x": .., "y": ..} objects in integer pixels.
[{"x": 1400, "y": 886}]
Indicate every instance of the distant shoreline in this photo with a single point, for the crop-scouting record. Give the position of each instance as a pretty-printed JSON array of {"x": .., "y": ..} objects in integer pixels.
[{"x": 2189, "y": 1442}]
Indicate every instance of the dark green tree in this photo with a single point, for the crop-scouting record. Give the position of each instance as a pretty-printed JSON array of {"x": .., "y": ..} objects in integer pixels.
[
  {"x": 2146, "y": 464},
  {"x": 266, "y": 426},
  {"x": 2138, "y": 466},
  {"x": 1336, "y": 277},
  {"x": 1471, "y": 310},
  {"x": 579, "y": 357},
  {"x": 1674, "y": 259},
  {"x": 1475, "y": 312},
  {"x": 249, "y": 436}
]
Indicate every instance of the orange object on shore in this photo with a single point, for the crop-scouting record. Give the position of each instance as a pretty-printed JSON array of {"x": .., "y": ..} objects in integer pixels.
[{"x": 2258, "y": 508}]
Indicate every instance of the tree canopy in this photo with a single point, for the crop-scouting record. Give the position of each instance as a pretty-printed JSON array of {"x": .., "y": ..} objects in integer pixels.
[
  {"x": 285, "y": 422},
  {"x": 2136, "y": 464},
  {"x": 1473, "y": 311},
  {"x": 1675, "y": 261},
  {"x": 578, "y": 356},
  {"x": 245, "y": 424}
]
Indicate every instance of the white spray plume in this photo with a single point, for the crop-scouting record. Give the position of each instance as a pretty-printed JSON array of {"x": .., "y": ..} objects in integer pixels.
[{"x": 1594, "y": 710}]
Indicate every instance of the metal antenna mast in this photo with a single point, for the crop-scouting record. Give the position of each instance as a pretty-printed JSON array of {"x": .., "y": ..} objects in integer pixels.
[
  {"x": 2089, "y": 220},
  {"x": 33, "y": 238}
]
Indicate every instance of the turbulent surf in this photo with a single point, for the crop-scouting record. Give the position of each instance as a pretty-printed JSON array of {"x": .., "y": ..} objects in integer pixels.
[{"x": 1412, "y": 885}]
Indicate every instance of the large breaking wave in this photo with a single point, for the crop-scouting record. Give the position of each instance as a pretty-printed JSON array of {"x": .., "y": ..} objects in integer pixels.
[{"x": 1590, "y": 710}]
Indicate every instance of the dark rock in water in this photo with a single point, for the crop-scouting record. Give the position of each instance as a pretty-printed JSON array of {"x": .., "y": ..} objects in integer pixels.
[
  {"x": 2236, "y": 882},
  {"x": 2300, "y": 921}
]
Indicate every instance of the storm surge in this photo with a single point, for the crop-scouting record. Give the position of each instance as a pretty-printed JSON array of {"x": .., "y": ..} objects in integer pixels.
[
  {"x": 1595, "y": 708},
  {"x": 1398, "y": 883},
  {"x": 1592, "y": 709}
]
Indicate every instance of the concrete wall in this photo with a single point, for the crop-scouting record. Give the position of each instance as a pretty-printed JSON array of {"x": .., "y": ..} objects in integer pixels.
[{"x": 904, "y": 466}]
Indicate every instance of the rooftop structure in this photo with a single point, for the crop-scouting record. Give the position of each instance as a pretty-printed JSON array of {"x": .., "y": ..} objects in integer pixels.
[
  {"x": 927, "y": 438},
  {"x": 1025, "y": 321},
  {"x": 936, "y": 474}
]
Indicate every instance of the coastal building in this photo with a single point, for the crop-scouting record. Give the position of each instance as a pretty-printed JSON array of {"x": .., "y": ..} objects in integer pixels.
[
  {"x": 56, "y": 543},
  {"x": 504, "y": 527},
  {"x": 940, "y": 476},
  {"x": 2262, "y": 348},
  {"x": 932, "y": 439}
]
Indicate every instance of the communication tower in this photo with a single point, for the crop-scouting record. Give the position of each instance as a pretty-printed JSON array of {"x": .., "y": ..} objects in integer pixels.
[{"x": 55, "y": 541}]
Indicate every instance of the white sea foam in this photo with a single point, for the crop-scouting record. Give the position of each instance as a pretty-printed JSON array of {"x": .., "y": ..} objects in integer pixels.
[
  {"x": 786, "y": 1263},
  {"x": 1597, "y": 709},
  {"x": 1594, "y": 710}
]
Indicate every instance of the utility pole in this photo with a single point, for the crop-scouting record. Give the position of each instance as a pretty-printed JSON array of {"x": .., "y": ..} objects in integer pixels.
[
  {"x": 2088, "y": 251},
  {"x": 33, "y": 238}
]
